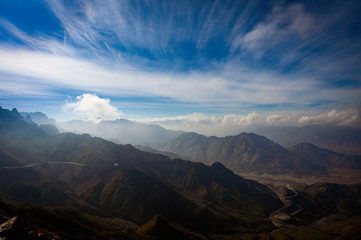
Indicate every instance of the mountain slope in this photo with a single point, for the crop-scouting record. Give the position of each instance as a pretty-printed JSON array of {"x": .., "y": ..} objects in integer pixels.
[
  {"x": 245, "y": 152},
  {"x": 326, "y": 158}
]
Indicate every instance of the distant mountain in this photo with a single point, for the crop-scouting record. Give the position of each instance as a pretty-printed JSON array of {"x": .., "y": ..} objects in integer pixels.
[
  {"x": 119, "y": 131},
  {"x": 122, "y": 131},
  {"x": 340, "y": 139},
  {"x": 49, "y": 129},
  {"x": 326, "y": 158},
  {"x": 245, "y": 152},
  {"x": 39, "y": 118},
  {"x": 48, "y": 125},
  {"x": 90, "y": 178}
]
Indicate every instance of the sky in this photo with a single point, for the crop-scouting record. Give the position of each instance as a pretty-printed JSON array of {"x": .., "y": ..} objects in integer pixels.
[{"x": 184, "y": 64}]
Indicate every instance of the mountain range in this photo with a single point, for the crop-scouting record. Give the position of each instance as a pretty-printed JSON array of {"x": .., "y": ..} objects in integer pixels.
[
  {"x": 75, "y": 186},
  {"x": 248, "y": 152},
  {"x": 119, "y": 131},
  {"x": 101, "y": 179},
  {"x": 339, "y": 139}
]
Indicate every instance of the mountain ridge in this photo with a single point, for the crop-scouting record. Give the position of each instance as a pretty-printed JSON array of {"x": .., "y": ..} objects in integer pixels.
[
  {"x": 345, "y": 140},
  {"x": 245, "y": 152}
]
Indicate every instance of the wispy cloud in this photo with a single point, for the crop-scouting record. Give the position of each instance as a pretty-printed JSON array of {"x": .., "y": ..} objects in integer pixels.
[
  {"x": 37, "y": 43},
  {"x": 223, "y": 86},
  {"x": 279, "y": 28},
  {"x": 93, "y": 108}
]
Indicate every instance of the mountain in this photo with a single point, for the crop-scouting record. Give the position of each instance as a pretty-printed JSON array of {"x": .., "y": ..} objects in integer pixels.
[
  {"x": 71, "y": 186},
  {"x": 119, "y": 131},
  {"x": 48, "y": 125},
  {"x": 152, "y": 150},
  {"x": 340, "y": 139},
  {"x": 122, "y": 131},
  {"x": 160, "y": 227},
  {"x": 326, "y": 158},
  {"x": 39, "y": 118},
  {"x": 246, "y": 152},
  {"x": 89, "y": 186}
]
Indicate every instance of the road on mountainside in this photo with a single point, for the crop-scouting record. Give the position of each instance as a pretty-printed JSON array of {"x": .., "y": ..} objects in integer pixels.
[
  {"x": 277, "y": 217},
  {"x": 43, "y": 163}
]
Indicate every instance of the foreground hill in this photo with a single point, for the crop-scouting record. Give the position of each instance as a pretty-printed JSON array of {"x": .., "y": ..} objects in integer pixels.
[
  {"x": 85, "y": 182},
  {"x": 322, "y": 211},
  {"x": 245, "y": 152}
]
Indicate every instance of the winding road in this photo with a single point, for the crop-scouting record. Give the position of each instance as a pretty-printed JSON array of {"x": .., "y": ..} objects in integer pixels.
[{"x": 277, "y": 217}]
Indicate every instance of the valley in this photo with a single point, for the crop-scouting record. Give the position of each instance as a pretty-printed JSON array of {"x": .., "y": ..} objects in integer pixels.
[
  {"x": 339, "y": 176},
  {"x": 72, "y": 186}
]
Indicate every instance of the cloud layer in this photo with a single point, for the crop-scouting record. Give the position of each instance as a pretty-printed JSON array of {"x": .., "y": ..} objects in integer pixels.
[{"x": 235, "y": 123}]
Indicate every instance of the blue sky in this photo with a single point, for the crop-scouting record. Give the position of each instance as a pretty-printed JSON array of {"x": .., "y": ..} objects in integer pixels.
[{"x": 182, "y": 62}]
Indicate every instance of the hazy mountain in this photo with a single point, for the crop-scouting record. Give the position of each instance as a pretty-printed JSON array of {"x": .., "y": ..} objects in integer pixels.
[
  {"x": 326, "y": 158},
  {"x": 245, "y": 152},
  {"x": 90, "y": 178},
  {"x": 340, "y": 139},
  {"x": 39, "y": 118},
  {"x": 48, "y": 125},
  {"x": 122, "y": 131}
]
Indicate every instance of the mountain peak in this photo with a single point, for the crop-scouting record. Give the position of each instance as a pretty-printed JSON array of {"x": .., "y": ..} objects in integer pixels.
[
  {"x": 219, "y": 167},
  {"x": 14, "y": 113},
  {"x": 7, "y": 114}
]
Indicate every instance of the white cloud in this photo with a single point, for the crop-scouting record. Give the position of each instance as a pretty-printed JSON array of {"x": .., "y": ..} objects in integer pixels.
[
  {"x": 93, "y": 108},
  {"x": 345, "y": 117},
  {"x": 207, "y": 124}
]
